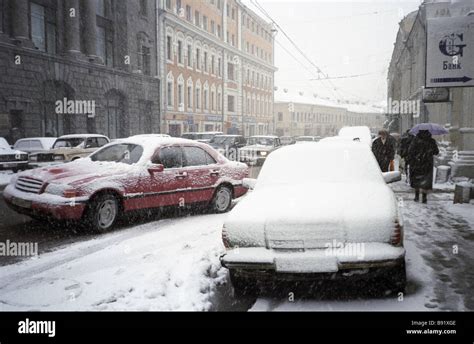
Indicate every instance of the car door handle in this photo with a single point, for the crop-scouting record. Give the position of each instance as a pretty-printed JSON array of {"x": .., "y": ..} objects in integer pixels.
[
  {"x": 181, "y": 175},
  {"x": 214, "y": 172}
]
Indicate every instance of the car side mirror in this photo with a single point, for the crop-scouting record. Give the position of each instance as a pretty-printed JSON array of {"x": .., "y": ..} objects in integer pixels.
[
  {"x": 157, "y": 168},
  {"x": 249, "y": 183},
  {"x": 392, "y": 177}
]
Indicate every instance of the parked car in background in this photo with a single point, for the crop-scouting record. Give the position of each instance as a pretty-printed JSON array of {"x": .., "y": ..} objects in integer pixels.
[
  {"x": 228, "y": 145},
  {"x": 128, "y": 175},
  {"x": 258, "y": 148},
  {"x": 321, "y": 211},
  {"x": 68, "y": 148},
  {"x": 361, "y": 134},
  {"x": 301, "y": 139},
  {"x": 12, "y": 159},
  {"x": 287, "y": 140},
  {"x": 34, "y": 144},
  {"x": 205, "y": 137}
]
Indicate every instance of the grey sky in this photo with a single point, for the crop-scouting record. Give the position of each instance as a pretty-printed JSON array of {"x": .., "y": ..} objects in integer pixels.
[{"x": 342, "y": 38}]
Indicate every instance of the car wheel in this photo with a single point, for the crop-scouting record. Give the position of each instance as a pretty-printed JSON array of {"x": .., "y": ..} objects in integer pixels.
[
  {"x": 15, "y": 170},
  {"x": 397, "y": 279},
  {"x": 222, "y": 200},
  {"x": 102, "y": 213},
  {"x": 242, "y": 286}
]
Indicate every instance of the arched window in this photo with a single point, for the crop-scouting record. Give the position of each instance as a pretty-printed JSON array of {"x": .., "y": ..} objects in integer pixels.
[
  {"x": 170, "y": 91},
  {"x": 198, "y": 97},
  {"x": 144, "y": 53},
  {"x": 180, "y": 93},
  {"x": 189, "y": 93}
]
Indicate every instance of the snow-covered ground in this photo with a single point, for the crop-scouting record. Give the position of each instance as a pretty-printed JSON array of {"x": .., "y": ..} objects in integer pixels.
[{"x": 171, "y": 264}]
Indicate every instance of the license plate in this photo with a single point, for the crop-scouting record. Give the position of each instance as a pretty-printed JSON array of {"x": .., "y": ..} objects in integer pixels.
[
  {"x": 306, "y": 264},
  {"x": 21, "y": 202}
]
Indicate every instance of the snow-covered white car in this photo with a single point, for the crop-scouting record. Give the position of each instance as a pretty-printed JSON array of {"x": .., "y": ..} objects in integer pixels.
[
  {"x": 361, "y": 133},
  {"x": 316, "y": 211},
  {"x": 12, "y": 159},
  {"x": 34, "y": 144}
]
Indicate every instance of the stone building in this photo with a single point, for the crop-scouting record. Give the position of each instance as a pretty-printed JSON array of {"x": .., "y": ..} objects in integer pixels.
[
  {"x": 97, "y": 51},
  {"x": 406, "y": 81},
  {"x": 300, "y": 115},
  {"x": 216, "y": 65}
]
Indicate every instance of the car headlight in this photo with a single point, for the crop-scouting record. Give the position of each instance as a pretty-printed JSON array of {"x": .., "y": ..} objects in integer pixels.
[
  {"x": 58, "y": 157},
  {"x": 263, "y": 153},
  {"x": 63, "y": 190}
]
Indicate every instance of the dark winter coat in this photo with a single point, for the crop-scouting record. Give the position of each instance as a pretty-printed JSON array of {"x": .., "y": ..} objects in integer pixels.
[
  {"x": 420, "y": 158},
  {"x": 384, "y": 153},
  {"x": 405, "y": 142}
]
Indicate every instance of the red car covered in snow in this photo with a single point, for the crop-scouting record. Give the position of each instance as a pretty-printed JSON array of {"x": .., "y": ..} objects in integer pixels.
[{"x": 140, "y": 172}]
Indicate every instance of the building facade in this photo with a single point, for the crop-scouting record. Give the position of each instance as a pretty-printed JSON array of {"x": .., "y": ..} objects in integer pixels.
[
  {"x": 303, "y": 118},
  {"x": 406, "y": 81},
  {"x": 216, "y": 65},
  {"x": 97, "y": 51}
]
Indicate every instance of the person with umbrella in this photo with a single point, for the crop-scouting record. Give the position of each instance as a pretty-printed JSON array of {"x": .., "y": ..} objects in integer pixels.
[
  {"x": 420, "y": 158},
  {"x": 384, "y": 150}
]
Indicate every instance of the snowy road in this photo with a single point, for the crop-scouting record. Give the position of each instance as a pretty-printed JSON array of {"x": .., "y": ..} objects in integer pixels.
[{"x": 173, "y": 264}]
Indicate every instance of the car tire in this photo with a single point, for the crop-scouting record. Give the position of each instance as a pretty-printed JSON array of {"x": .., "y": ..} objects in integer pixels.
[
  {"x": 242, "y": 286},
  {"x": 397, "y": 279},
  {"x": 102, "y": 213},
  {"x": 222, "y": 200}
]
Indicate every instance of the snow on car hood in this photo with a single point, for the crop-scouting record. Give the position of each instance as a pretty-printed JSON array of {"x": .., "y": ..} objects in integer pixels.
[
  {"x": 79, "y": 172},
  {"x": 294, "y": 215}
]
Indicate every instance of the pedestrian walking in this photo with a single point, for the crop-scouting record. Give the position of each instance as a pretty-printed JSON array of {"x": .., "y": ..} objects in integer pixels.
[
  {"x": 384, "y": 150},
  {"x": 405, "y": 142},
  {"x": 420, "y": 159}
]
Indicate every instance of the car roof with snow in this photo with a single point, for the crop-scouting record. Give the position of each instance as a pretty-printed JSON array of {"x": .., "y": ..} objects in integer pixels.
[
  {"x": 72, "y": 136},
  {"x": 265, "y": 136},
  {"x": 327, "y": 161}
]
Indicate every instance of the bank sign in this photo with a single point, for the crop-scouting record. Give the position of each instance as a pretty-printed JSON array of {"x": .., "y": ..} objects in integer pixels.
[{"x": 450, "y": 52}]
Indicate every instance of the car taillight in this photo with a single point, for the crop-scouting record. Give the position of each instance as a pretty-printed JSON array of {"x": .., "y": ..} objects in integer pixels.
[
  {"x": 225, "y": 238},
  {"x": 397, "y": 235}
]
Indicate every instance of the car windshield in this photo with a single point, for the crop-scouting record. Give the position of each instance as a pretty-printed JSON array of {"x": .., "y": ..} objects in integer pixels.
[
  {"x": 304, "y": 138},
  {"x": 69, "y": 142},
  {"x": 222, "y": 140},
  {"x": 121, "y": 152},
  {"x": 189, "y": 136},
  {"x": 261, "y": 141},
  {"x": 321, "y": 163}
]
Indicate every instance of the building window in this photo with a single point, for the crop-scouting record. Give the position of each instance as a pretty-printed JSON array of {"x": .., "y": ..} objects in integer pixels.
[
  {"x": 204, "y": 23},
  {"x": 180, "y": 52},
  {"x": 189, "y": 13},
  {"x": 228, "y": 10},
  {"x": 219, "y": 4},
  {"x": 190, "y": 95},
  {"x": 206, "y": 99},
  {"x": 230, "y": 71},
  {"x": 100, "y": 8},
  {"x": 219, "y": 31},
  {"x": 205, "y": 62},
  {"x": 197, "y": 21},
  {"x": 233, "y": 40},
  {"x": 219, "y": 101},
  {"x": 230, "y": 103},
  {"x": 213, "y": 27},
  {"x": 168, "y": 4},
  {"x": 144, "y": 54},
  {"x": 43, "y": 27},
  {"x": 169, "y": 48},
  {"x": 198, "y": 98},
  {"x": 213, "y": 100},
  {"x": 143, "y": 8},
  {"x": 169, "y": 92},
  {"x": 190, "y": 55},
  {"x": 213, "y": 65},
  {"x": 198, "y": 58},
  {"x": 180, "y": 97},
  {"x": 219, "y": 67},
  {"x": 233, "y": 13},
  {"x": 178, "y": 6}
]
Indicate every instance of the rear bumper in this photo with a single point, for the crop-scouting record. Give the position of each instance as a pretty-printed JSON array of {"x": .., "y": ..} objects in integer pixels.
[
  {"x": 44, "y": 205},
  {"x": 312, "y": 264}
]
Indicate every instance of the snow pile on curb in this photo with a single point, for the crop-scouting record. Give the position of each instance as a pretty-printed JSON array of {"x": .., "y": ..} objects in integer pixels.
[{"x": 165, "y": 265}]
